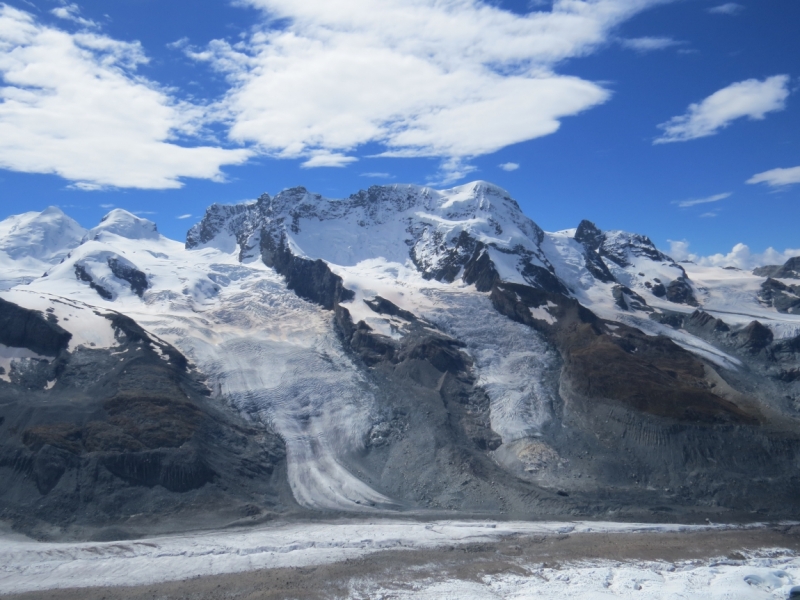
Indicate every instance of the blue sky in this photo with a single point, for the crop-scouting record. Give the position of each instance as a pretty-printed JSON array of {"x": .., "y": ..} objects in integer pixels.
[{"x": 678, "y": 119}]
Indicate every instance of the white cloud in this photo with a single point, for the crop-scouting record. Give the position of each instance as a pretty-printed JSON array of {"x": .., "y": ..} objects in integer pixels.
[
  {"x": 777, "y": 177},
  {"x": 84, "y": 186},
  {"x": 729, "y": 8},
  {"x": 186, "y": 216},
  {"x": 324, "y": 158},
  {"x": 708, "y": 215},
  {"x": 751, "y": 98},
  {"x": 715, "y": 198},
  {"x": 647, "y": 44},
  {"x": 509, "y": 166},
  {"x": 106, "y": 206},
  {"x": 740, "y": 256},
  {"x": 452, "y": 80},
  {"x": 143, "y": 212},
  {"x": 71, "y": 12},
  {"x": 72, "y": 105},
  {"x": 373, "y": 175},
  {"x": 451, "y": 170}
]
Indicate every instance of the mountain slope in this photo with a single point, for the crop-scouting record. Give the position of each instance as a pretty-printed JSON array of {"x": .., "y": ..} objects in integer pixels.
[{"x": 415, "y": 349}]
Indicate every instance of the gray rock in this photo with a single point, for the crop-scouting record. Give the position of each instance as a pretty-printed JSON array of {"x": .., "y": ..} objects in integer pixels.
[
  {"x": 789, "y": 270},
  {"x": 24, "y": 328},
  {"x": 83, "y": 275},
  {"x": 785, "y": 298},
  {"x": 589, "y": 235},
  {"x": 127, "y": 272},
  {"x": 754, "y": 338},
  {"x": 680, "y": 292}
]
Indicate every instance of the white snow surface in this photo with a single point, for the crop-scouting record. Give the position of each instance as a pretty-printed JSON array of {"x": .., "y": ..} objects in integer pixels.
[
  {"x": 28, "y": 566},
  {"x": 121, "y": 223},
  {"x": 731, "y": 295}
]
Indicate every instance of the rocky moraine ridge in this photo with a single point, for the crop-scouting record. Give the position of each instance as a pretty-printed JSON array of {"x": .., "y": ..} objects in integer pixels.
[{"x": 490, "y": 367}]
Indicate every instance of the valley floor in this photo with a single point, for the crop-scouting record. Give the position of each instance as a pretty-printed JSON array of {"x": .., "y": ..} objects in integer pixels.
[{"x": 415, "y": 559}]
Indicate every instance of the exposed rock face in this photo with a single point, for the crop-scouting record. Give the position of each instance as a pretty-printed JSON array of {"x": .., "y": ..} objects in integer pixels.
[
  {"x": 680, "y": 292},
  {"x": 123, "y": 434},
  {"x": 702, "y": 320},
  {"x": 592, "y": 239},
  {"x": 789, "y": 270},
  {"x": 645, "y": 410},
  {"x": 24, "y": 328},
  {"x": 589, "y": 235},
  {"x": 619, "y": 363},
  {"x": 627, "y": 299},
  {"x": 127, "y": 272},
  {"x": 223, "y": 219},
  {"x": 619, "y": 246},
  {"x": 659, "y": 291},
  {"x": 622, "y": 249},
  {"x": 480, "y": 269},
  {"x": 310, "y": 279},
  {"x": 755, "y": 337},
  {"x": 785, "y": 298},
  {"x": 83, "y": 275}
]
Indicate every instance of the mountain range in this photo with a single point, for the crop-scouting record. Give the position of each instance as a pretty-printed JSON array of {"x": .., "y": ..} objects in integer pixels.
[{"x": 404, "y": 350}]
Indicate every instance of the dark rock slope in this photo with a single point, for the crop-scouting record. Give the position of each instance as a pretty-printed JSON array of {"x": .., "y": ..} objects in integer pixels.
[
  {"x": 124, "y": 443},
  {"x": 644, "y": 417}
]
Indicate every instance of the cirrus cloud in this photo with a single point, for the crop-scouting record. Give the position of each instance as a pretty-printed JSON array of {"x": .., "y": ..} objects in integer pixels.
[
  {"x": 729, "y": 8},
  {"x": 777, "y": 177},
  {"x": 72, "y": 12},
  {"x": 648, "y": 44},
  {"x": 420, "y": 78},
  {"x": 72, "y": 104},
  {"x": 751, "y": 98},
  {"x": 708, "y": 200}
]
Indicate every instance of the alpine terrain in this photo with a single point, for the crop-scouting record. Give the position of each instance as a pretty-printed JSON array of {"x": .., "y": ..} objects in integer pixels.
[{"x": 402, "y": 350}]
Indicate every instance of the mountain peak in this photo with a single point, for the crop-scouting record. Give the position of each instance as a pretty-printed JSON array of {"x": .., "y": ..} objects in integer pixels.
[
  {"x": 589, "y": 234},
  {"x": 49, "y": 233},
  {"x": 122, "y": 223}
]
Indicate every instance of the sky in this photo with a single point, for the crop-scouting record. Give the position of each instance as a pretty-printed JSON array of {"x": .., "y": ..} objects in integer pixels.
[{"x": 678, "y": 119}]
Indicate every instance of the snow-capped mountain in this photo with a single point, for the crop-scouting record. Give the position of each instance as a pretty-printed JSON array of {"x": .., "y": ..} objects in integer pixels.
[
  {"x": 400, "y": 349},
  {"x": 32, "y": 242}
]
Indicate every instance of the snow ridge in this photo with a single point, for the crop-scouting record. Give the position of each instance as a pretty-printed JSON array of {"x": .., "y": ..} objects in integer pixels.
[{"x": 437, "y": 232}]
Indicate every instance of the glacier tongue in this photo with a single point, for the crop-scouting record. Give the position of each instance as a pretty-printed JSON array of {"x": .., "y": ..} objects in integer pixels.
[
  {"x": 516, "y": 366},
  {"x": 276, "y": 357}
]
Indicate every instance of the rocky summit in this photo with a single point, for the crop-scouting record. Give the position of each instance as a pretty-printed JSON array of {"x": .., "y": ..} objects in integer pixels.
[{"x": 404, "y": 350}]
